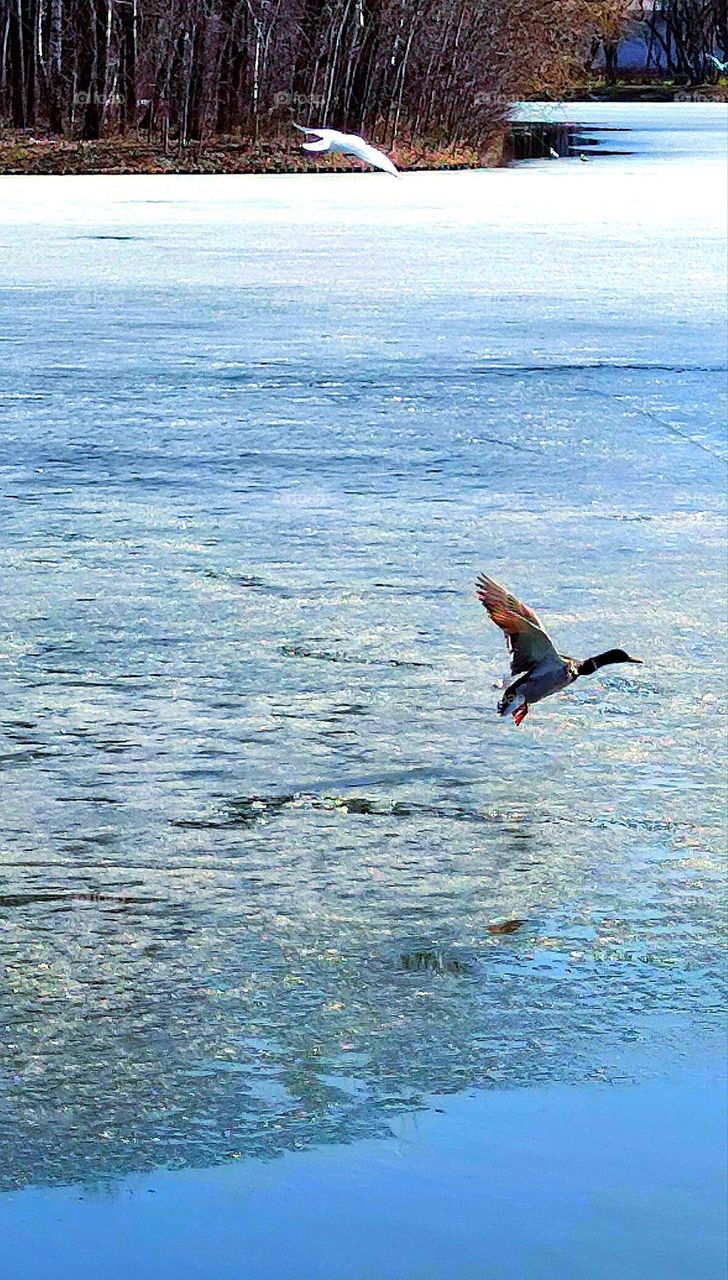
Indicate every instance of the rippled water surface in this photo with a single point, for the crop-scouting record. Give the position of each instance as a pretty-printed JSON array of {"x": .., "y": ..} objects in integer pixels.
[{"x": 257, "y": 437}]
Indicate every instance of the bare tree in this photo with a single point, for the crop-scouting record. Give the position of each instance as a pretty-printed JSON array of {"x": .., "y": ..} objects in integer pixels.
[
  {"x": 54, "y": 82},
  {"x": 683, "y": 34},
  {"x": 128, "y": 31},
  {"x": 16, "y": 39}
]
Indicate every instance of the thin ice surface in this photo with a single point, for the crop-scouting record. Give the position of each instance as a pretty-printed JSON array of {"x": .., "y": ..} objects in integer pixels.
[{"x": 258, "y": 436}]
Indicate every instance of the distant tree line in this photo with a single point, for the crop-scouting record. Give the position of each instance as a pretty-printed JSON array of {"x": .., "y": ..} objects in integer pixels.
[
  {"x": 680, "y": 39},
  {"x": 683, "y": 35},
  {"x": 187, "y": 69}
]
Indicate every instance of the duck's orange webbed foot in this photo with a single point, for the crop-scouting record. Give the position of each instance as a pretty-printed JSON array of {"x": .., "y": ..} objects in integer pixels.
[{"x": 520, "y": 715}]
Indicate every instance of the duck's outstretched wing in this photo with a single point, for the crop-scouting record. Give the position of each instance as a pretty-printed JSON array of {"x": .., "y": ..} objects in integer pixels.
[{"x": 525, "y": 637}]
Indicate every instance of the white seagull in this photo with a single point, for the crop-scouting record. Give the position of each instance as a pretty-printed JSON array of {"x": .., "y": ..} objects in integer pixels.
[{"x": 348, "y": 144}]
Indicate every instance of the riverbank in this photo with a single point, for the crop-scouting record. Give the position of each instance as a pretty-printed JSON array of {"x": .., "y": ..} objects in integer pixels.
[
  {"x": 25, "y": 152},
  {"x": 652, "y": 91},
  {"x": 21, "y": 153}
]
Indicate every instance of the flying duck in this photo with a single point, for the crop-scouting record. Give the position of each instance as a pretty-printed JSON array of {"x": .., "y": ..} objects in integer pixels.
[{"x": 538, "y": 669}]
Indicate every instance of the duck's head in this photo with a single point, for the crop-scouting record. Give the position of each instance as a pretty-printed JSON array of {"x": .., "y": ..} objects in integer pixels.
[
  {"x": 621, "y": 655},
  {"x": 606, "y": 659}
]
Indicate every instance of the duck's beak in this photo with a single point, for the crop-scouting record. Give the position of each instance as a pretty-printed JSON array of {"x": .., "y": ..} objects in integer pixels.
[{"x": 638, "y": 661}]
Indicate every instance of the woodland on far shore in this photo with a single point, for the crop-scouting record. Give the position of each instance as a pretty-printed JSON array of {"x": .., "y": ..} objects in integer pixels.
[{"x": 215, "y": 85}]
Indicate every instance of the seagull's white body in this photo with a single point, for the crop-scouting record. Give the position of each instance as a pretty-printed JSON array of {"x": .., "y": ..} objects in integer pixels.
[{"x": 348, "y": 144}]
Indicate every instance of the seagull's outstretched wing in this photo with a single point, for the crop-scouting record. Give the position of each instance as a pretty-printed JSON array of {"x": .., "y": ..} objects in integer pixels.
[
  {"x": 525, "y": 637},
  {"x": 323, "y": 144},
  {"x": 370, "y": 155},
  {"x": 323, "y": 141}
]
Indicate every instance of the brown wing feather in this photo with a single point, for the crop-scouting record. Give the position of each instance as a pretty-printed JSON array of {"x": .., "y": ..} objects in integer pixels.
[
  {"x": 525, "y": 637},
  {"x": 496, "y": 598}
]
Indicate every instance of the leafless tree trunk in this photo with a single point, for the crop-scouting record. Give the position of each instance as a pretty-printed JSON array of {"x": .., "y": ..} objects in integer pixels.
[
  {"x": 128, "y": 17},
  {"x": 16, "y": 55},
  {"x": 54, "y": 67}
]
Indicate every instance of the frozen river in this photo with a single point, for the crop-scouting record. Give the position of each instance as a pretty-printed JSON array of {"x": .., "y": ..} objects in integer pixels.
[{"x": 257, "y": 436}]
